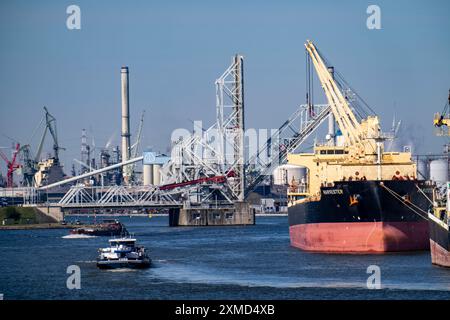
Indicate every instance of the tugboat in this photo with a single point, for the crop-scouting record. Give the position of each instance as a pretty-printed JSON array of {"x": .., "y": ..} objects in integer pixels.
[
  {"x": 105, "y": 228},
  {"x": 123, "y": 253}
]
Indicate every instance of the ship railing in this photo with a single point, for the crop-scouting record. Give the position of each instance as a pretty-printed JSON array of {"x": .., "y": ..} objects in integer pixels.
[{"x": 302, "y": 188}]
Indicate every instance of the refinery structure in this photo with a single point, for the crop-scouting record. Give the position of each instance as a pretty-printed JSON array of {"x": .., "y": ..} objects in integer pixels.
[{"x": 212, "y": 177}]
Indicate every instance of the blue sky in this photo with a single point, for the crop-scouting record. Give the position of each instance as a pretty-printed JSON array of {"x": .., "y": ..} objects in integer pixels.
[{"x": 176, "y": 49}]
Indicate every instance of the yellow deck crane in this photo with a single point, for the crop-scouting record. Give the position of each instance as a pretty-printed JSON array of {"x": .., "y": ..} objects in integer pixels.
[
  {"x": 442, "y": 120},
  {"x": 358, "y": 136},
  {"x": 359, "y": 153}
]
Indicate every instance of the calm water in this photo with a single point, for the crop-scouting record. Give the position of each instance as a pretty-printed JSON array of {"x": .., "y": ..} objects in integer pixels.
[{"x": 253, "y": 262}]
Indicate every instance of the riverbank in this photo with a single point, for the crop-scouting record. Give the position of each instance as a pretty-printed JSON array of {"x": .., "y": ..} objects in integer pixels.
[
  {"x": 36, "y": 226},
  {"x": 18, "y": 216}
]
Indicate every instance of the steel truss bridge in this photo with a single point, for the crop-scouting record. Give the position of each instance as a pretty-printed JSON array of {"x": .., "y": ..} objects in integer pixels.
[{"x": 119, "y": 196}]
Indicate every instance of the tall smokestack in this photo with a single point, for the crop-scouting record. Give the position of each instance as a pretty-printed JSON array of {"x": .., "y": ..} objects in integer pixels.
[{"x": 125, "y": 123}]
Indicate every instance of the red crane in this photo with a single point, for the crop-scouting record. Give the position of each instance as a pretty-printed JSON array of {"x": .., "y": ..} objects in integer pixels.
[{"x": 11, "y": 165}]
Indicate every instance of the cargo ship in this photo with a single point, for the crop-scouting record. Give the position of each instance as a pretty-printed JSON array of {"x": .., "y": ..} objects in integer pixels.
[
  {"x": 439, "y": 221},
  {"x": 356, "y": 197},
  {"x": 439, "y": 217}
]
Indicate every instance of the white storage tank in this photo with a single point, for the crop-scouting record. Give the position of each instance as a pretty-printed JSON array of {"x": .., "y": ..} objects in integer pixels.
[
  {"x": 423, "y": 172},
  {"x": 439, "y": 170},
  {"x": 283, "y": 174},
  {"x": 156, "y": 174},
  {"x": 148, "y": 174}
]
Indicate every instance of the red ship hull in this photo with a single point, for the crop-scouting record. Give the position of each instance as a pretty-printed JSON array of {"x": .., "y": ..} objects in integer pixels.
[{"x": 361, "y": 237}]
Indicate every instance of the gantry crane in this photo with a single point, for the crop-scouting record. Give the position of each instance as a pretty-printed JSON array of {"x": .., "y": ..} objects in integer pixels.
[
  {"x": 11, "y": 165},
  {"x": 442, "y": 120}
]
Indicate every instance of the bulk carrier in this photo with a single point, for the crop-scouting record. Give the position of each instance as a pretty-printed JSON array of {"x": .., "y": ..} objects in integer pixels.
[
  {"x": 439, "y": 221},
  {"x": 439, "y": 217},
  {"x": 356, "y": 197}
]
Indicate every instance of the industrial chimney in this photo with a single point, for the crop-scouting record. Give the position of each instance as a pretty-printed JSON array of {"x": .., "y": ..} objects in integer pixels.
[{"x": 125, "y": 124}]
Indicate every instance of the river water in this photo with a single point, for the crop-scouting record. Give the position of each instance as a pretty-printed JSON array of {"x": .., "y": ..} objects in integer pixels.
[{"x": 251, "y": 262}]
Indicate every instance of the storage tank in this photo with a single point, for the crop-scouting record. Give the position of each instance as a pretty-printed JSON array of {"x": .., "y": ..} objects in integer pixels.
[
  {"x": 283, "y": 174},
  {"x": 423, "y": 172},
  {"x": 439, "y": 170},
  {"x": 156, "y": 174},
  {"x": 147, "y": 172}
]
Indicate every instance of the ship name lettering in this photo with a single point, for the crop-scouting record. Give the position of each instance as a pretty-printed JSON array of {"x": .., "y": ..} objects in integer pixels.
[{"x": 333, "y": 191}]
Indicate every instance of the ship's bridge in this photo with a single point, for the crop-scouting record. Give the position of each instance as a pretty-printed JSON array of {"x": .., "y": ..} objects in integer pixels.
[{"x": 328, "y": 152}]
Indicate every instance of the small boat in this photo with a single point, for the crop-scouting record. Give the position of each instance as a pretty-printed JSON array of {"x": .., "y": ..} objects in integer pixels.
[
  {"x": 123, "y": 253},
  {"x": 105, "y": 228}
]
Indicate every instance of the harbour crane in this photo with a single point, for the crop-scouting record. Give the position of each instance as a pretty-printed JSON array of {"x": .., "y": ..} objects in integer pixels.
[
  {"x": 29, "y": 165},
  {"x": 442, "y": 120},
  {"x": 50, "y": 125},
  {"x": 30, "y": 162},
  {"x": 11, "y": 165}
]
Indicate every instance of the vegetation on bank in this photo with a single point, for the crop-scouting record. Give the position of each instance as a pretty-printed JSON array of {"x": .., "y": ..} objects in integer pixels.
[{"x": 17, "y": 215}]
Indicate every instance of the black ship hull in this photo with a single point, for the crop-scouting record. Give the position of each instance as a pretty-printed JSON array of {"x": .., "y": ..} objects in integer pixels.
[
  {"x": 439, "y": 241},
  {"x": 363, "y": 217}
]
